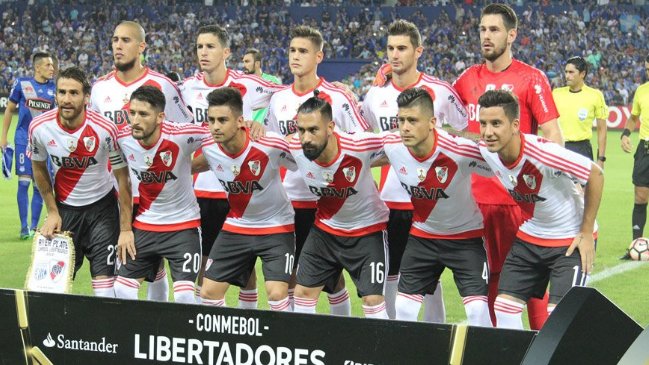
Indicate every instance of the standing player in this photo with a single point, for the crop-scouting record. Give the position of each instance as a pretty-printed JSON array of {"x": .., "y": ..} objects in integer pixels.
[
  {"x": 555, "y": 243},
  {"x": 167, "y": 221},
  {"x": 32, "y": 96},
  {"x": 260, "y": 221},
  {"x": 80, "y": 144},
  {"x": 435, "y": 170},
  {"x": 110, "y": 97},
  {"x": 380, "y": 110},
  {"x": 213, "y": 49},
  {"x": 252, "y": 66},
  {"x": 305, "y": 53},
  {"x": 579, "y": 105},
  {"x": 639, "y": 114},
  {"x": 349, "y": 229},
  {"x": 498, "y": 29}
]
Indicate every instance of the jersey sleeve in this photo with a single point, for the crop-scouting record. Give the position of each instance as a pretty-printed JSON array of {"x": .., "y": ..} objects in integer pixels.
[
  {"x": 366, "y": 110},
  {"x": 35, "y": 147},
  {"x": 176, "y": 110},
  {"x": 270, "y": 121},
  {"x": 261, "y": 92},
  {"x": 454, "y": 111},
  {"x": 636, "y": 109},
  {"x": 471, "y": 152},
  {"x": 16, "y": 92},
  {"x": 348, "y": 116},
  {"x": 601, "y": 110},
  {"x": 540, "y": 101},
  {"x": 567, "y": 162}
]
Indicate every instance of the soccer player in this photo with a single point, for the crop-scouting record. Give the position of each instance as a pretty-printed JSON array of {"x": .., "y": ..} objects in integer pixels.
[
  {"x": 555, "y": 243},
  {"x": 213, "y": 49},
  {"x": 110, "y": 97},
  {"x": 167, "y": 221},
  {"x": 82, "y": 199},
  {"x": 260, "y": 222},
  {"x": 639, "y": 114},
  {"x": 380, "y": 109},
  {"x": 252, "y": 66},
  {"x": 32, "y": 96},
  {"x": 349, "y": 229},
  {"x": 578, "y": 104},
  {"x": 305, "y": 53},
  {"x": 435, "y": 170},
  {"x": 500, "y": 71}
]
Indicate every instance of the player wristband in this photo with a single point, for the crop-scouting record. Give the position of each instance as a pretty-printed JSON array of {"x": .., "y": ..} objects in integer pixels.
[{"x": 626, "y": 132}]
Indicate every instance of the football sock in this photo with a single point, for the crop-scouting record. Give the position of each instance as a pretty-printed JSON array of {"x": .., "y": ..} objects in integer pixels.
[
  {"x": 126, "y": 288},
  {"x": 281, "y": 305},
  {"x": 494, "y": 277},
  {"x": 104, "y": 287},
  {"x": 375, "y": 311},
  {"x": 184, "y": 292},
  {"x": 248, "y": 298},
  {"x": 213, "y": 302},
  {"x": 291, "y": 298},
  {"x": 638, "y": 219},
  {"x": 509, "y": 313},
  {"x": 537, "y": 311},
  {"x": 339, "y": 303},
  {"x": 159, "y": 289},
  {"x": 23, "y": 203},
  {"x": 391, "y": 285},
  {"x": 37, "y": 207},
  {"x": 197, "y": 293},
  {"x": 304, "y": 305},
  {"x": 477, "y": 310},
  {"x": 407, "y": 306},
  {"x": 434, "y": 309}
]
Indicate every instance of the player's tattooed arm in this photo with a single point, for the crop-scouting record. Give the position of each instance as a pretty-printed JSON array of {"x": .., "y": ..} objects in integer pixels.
[
  {"x": 200, "y": 164},
  {"x": 53, "y": 221}
]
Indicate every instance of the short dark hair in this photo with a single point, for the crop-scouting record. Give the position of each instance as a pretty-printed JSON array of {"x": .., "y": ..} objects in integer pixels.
[
  {"x": 503, "y": 99},
  {"x": 404, "y": 27},
  {"x": 151, "y": 95},
  {"x": 39, "y": 56},
  {"x": 77, "y": 74},
  {"x": 256, "y": 54},
  {"x": 416, "y": 96},
  {"x": 226, "y": 96},
  {"x": 508, "y": 14},
  {"x": 579, "y": 62},
  {"x": 173, "y": 76},
  {"x": 312, "y": 34},
  {"x": 316, "y": 104},
  {"x": 218, "y": 31}
]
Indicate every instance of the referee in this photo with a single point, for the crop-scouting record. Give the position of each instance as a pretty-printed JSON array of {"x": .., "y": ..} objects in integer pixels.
[{"x": 578, "y": 106}]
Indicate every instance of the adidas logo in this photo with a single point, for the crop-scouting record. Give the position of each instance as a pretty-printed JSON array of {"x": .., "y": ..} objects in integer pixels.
[
  {"x": 219, "y": 168},
  {"x": 131, "y": 157},
  {"x": 310, "y": 175},
  {"x": 200, "y": 96},
  {"x": 51, "y": 143},
  {"x": 384, "y": 104},
  {"x": 107, "y": 100},
  {"x": 403, "y": 171}
]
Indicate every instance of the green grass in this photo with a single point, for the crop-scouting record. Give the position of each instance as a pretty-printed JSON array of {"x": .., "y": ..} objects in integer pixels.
[{"x": 627, "y": 290}]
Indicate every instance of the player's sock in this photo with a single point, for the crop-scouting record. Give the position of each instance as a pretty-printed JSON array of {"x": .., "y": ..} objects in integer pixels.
[
  {"x": 248, "y": 298},
  {"x": 213, "y": 302},
  {"x": 126, "y": 288},
  {"x": 281, "y": 305},
  {"x": 375, "y": 311},
  {"x": 184, "y": 292},
  {"x": 407, "y": 306},
  {"x": 434, "y": 309},
  {"x": 493, "y": 293},
  {"x": 638, "y": 219},
  {"x": 104, "y": 287},
  {"x": 304, "y": 305},
  {"x": 339, "y": 303},
  {"x": 537, "y": 311},
  {"x": 159, "y": 289},
  {"x": 509, "y": 313},
  {"x": 197, "y": 294},
  {"x": 477, "y": 310},
  {"x": 291, "y": 298},
  {"x": 391, "y": 284},
  {"x": 23, "y": 204},
  {"x": 37, "y": 207}
]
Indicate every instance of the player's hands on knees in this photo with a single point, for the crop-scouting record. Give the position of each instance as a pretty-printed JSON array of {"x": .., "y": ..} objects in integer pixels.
[
  {"x": 51, "y": 225},
  {"x": 126, "y": 246},
  {"x": 586, "y": 245},
  {"x": 626, "y": 144},
  {"x": 256, "y": 130}
]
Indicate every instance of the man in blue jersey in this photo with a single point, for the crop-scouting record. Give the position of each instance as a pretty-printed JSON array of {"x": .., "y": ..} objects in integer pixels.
[{"x": 31, "y": 96}]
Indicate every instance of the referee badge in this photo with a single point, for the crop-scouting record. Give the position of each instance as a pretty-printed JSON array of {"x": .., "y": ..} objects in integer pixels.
[
  {"x": 72, "y": 145},
  {"x": 255, "y": 167},
  {"x": 235, "y": 170}
]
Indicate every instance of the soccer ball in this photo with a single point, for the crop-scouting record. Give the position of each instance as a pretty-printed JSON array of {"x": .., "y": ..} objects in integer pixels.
[{"x": 639, "y": 249}]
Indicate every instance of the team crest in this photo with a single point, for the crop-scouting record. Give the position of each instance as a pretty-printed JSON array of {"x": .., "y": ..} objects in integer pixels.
[
  {"x": 167, "y": 158},
  {"x": 350, "y": 173},
  {"x": 442, "y": 173},
  {"x": 530, "y": 181},
  {"x": 255, "y": 167},
  {"x": 512, "y": 179},
  {"x": 328, "y": 177},
  {"x": 72, "y": 145},
  {"x": 235, "y": 170},
  {"x": 421, "y": 174},
  {"x": 90, "y": 143},
  {"x": 148, "y": 160}
]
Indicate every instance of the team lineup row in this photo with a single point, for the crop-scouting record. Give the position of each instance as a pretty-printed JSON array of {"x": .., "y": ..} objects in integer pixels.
[{"x": 329, "y": 183}]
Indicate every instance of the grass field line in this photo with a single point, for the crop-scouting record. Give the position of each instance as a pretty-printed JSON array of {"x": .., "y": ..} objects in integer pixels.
[{"x": 615, "y": 270}]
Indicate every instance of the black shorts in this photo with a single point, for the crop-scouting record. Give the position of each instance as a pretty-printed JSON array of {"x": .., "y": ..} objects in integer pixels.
[
  {"x": 641, "y": 165},
  {"x": 583, "y": 148},
  {"x": 325, "y": 255},
  {"x": 425, "y": 259},
  {"x": 529, "y": 268},
  {"x": 95, "y": 231},
  {"x": 182, "y": 249},
  {"x": 304, "y": 218},
  {"x": 213, "y": 214},
  {"x": 234, "y": 255},
  {"x": 398, "y": 232}
]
